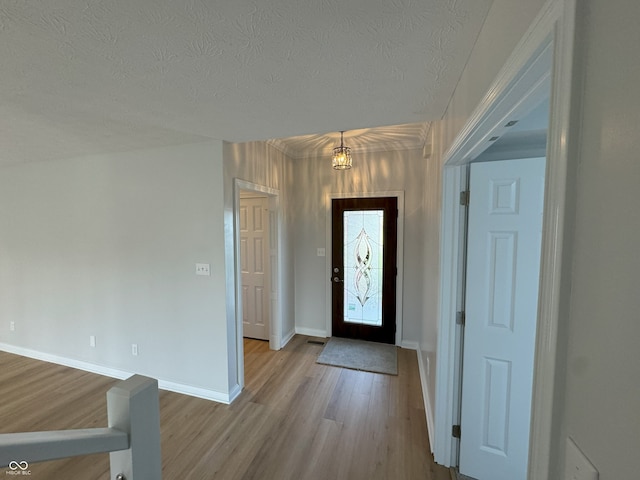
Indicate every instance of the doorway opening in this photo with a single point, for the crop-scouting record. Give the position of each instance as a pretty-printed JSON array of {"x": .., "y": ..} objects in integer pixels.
[
  {"x": 526, "y": 138},
  {"x": 258, "y": 291},
  {"x": 499, "y": 294}
]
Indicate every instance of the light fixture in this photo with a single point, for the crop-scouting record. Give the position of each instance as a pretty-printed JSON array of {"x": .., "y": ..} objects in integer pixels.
[{"x": 341, "y": 155}]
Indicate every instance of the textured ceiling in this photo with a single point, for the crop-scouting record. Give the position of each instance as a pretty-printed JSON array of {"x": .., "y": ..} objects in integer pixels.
[
  {"x": 96, "y": 76},
  {"x": 397, "y": 137}
]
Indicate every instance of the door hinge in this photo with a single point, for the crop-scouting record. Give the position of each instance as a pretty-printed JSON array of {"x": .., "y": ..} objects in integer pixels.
[
  {"x": 456, "y": 432},
  {"x": 464, "y": 198},
  {"x": 460, "y": 318}
]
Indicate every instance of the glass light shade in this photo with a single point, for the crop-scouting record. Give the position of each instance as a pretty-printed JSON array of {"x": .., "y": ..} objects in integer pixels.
[{"x": 341, "y": 158}]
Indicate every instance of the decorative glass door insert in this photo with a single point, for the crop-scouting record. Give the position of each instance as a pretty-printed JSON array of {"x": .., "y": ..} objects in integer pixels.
[{"x": 363, "y": 254}]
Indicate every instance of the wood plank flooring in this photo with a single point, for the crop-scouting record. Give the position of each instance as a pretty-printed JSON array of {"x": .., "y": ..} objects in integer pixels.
[{"x": 295, "y": 419}]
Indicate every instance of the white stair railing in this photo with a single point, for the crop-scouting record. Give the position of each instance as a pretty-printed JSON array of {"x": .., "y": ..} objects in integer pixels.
[{"x": 132, "y": 438}]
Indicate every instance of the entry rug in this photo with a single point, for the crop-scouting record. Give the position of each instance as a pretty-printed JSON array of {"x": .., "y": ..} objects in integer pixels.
[{"x": 359, "y": 355}]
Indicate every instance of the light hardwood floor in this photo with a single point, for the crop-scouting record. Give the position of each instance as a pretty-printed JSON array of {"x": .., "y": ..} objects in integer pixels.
[{"x": 295, "y": 420}]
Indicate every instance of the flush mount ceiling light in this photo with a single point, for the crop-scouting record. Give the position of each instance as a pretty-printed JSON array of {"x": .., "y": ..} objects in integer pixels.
[{"x": 341, "y": 155}]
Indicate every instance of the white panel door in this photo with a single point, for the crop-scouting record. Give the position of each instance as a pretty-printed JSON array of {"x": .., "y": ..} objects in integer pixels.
[
  {"x": 503, "y": 269},
  {"x": 254, "y": 255}
]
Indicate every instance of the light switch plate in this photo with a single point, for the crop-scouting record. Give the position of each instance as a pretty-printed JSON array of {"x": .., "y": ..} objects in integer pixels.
[
  {"x": 577, "y": 466},
  {"x": 321, "y": 252},
  {"x": 203, "y": 269}
]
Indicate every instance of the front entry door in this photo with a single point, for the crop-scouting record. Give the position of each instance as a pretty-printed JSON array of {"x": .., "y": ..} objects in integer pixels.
[
  {"x": 503, "y": 271},
  {"x": 364, "y": 268}
]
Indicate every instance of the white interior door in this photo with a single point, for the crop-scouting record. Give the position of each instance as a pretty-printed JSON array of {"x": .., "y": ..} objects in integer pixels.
[
  {"x": 254, "y": 255},
  {"x": 503, "y": 268}
]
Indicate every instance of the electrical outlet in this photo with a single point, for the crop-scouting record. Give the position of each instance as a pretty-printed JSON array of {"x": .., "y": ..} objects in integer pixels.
[
  {"x": 577, "y": 466},
  {"x": 134, "y": 349},
  {"x": 12, "y": 326},
  {"x": 92, "y": 341},
  {"x": 203, "y": 269}
]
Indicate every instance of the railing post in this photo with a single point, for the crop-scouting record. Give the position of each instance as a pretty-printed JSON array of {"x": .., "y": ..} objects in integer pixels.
[{"x": 133, "y": 406}]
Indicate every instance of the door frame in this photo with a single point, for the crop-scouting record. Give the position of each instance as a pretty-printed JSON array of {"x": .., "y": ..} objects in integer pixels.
[
  {"x": 399, "y": 257},
  {"x": 543, "y": 59},
  {"x": 275, "y": 220}
]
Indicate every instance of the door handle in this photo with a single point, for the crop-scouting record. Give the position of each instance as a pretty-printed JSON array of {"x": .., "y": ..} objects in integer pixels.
[{"x": 337, "y": 279}]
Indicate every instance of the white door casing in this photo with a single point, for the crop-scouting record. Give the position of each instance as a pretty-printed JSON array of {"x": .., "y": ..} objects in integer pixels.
[
  {"x": 503, "y": 272},
  {"x": 243, "y": 188},
  {"x": 254, "y": 257}
]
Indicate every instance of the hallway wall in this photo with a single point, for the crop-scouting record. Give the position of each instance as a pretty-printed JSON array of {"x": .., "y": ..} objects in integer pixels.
[
  {"x": 372, "y": 172},
  {"x": 598, "y": 399}
]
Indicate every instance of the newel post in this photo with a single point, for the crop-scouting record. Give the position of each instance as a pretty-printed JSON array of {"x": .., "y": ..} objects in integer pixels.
[{"x": 133, "y": 406}]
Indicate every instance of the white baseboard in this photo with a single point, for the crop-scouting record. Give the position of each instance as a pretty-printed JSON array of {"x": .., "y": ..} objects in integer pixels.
[
  {"x": 311, "y": 332},
  {"x": 234, "y": 393},
  {"x": 410, "y": 345},
  {"x": 199, "y": 392},
  {"x": 67, "y": 362},
  {"x": 287, "y": 338},
  {"x": 428, "y": 408},
  {"x": 182, "y": 388}
]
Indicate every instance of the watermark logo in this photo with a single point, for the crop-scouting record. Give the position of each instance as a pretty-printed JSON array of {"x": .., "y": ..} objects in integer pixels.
[{"x": 18, "y": 468}]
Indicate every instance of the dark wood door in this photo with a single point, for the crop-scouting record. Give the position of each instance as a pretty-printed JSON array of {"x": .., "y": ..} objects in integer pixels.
[{"x": 364, "y": 245}]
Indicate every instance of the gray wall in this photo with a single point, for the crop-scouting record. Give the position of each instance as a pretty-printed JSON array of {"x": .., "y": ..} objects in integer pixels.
[
  {"x": 372, "y": 172},
  {"x": 600, "y": 395},
  {"x": 106, "y": 246},
  {"x": 261, "y": 164},
  {"x": 432, "y": 207}
]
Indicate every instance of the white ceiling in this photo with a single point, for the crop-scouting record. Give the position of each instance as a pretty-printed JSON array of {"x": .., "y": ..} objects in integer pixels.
[{"x": 82, "y": 77}]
